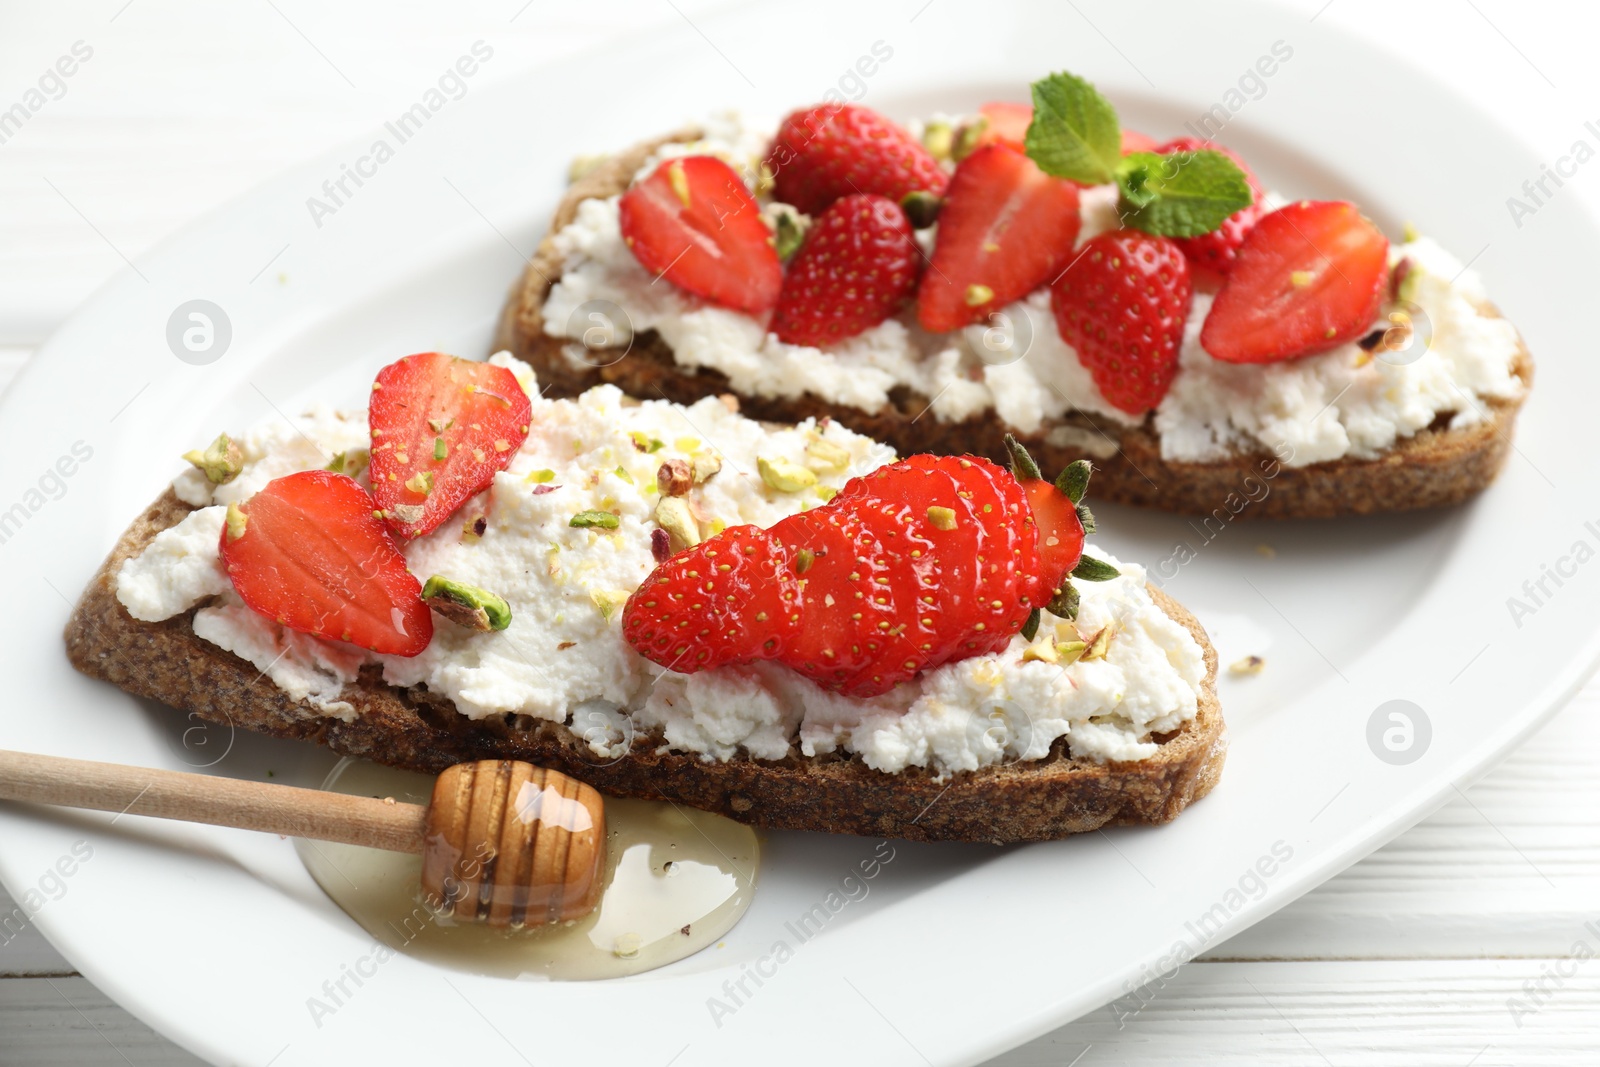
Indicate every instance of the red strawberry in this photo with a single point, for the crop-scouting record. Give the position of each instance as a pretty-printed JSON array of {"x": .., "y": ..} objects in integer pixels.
[
  {"x": 1309, "y": 277},
  {"x": 693, "y": 222},
  {"x": 1006, "y": 228},
  {"x": 1134, "y": 141},
  {"x": 308, "y": 553},
  {"x": 1008, "y": 124},
  {"x": 923, "y": 562},
  {"x": 442, "y": 428},
  {"x": 857, "y": 267},
  {"x": 1123, "y": 304},
  {"x": 731, "y": 600},
  {"x": 1212, "y": 254},
  {"x": 825, "y": 152}
]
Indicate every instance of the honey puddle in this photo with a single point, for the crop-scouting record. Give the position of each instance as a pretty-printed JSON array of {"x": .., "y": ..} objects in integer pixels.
[{"x": 676, "y": 880}]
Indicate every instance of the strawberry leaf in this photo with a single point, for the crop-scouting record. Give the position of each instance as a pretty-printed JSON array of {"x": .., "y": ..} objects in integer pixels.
[
  {"x": 1064, "y": 605},
  {"x": 1023, "y": 466},
  {"x": 1073, "y": 481},
  {"x": 1181, "y": 194},
  {"x": 1074, "y": 133},
  {"x": 1030, "y": 629},
  {"x": 1094, "y": 570}
]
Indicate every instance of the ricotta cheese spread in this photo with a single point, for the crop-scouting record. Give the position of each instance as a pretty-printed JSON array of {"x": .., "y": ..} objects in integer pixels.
[
  {"x": 1341, "y": 403},
  {"x": 563, "y": 658}
]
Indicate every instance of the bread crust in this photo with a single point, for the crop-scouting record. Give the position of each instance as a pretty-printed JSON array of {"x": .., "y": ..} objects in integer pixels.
[
  {"x": 421, "y": 731},
  {"x": 1437, "y": 467}
]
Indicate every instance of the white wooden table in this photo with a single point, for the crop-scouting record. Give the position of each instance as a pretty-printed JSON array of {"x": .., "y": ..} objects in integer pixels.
[{"x": 1464, "y": 942}]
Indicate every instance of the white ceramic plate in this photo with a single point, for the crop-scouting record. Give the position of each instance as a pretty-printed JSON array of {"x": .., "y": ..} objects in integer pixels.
[{"x": 218, "y": 938}]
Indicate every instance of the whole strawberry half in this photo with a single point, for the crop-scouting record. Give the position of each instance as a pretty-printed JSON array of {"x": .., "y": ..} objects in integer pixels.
[
  {"x": 857, "y": 267},
  {"x": 1005, "y": 229},
  {"x": 442, "y": 428},
  {"x": 1308, "y": 278},
  {"x": 308, "y": 553},
  {"x": 923, "y": 562},
  {"x": 826, "y": 152},
  {"x": 1212, "y": 254},
  {"x": 1122, "y": 305},
  {"x": 693, "y": 222}
]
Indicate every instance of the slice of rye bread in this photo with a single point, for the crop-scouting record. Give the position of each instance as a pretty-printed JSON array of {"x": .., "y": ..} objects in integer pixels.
[
  {"x": 419, "y": 731},
  {"x": 1436, "y": 467}
]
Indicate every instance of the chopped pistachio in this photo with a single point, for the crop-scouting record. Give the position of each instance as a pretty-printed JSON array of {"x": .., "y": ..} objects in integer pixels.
[
  {"x": 826, "y": 492},
  {"x": 421, "y": 482},
  {"x": 621, "y": 472},
  {"x": 236, "y": 522},
  {"x": 407, "y": 513},
  {"x": 1409, "y": 233},
  {"x": 1044, "y": 651},
  {"x": 352, "y": 462},
  {"x": 673, "y": 515},
  {"x": 1069, "y": 652},
  {"x": 825, "y": 455},
  {"x": 644, "y": 442},
  {"x": 803, "y": 560},
  {"x": 1098, "y": 644},
  {"x": 608, "y": 601},
  {"x": 922, "y": 208},
  {"x": 675, "y": 477},
  {"x": 440, "y": 449},
  {"x": 679, "y": 180},
  {"x": 785, "y": 476},
  {"x": 942, "y": 518},
  {"x": 540, "y": 477},
  {"x": 788, "y": 230},
  {"x": 703, "y": 466},
  {"x": 582, "y": 166},
  {"x": 687, "y": 444},
  {"x": 466, "y": 605},
  {"x": 605, "y": 520},
  {"x": 939, "y": 139},
  {"x": 440, "y": 425},
  {"x": 1248, "y": 665},
  {"x": 968, "y": 137},
  {"x": 220, "y": 461},
  {"x": 977, "y": 295}
]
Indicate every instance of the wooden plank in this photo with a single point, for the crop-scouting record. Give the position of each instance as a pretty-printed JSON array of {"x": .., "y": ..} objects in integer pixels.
[
  {"x": 1450, "y": 1013},
  {"x": 66, "y": 1022}
]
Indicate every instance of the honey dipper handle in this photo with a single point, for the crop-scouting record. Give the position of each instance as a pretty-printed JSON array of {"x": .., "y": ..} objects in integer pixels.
[{"x": 277, "y": 809}]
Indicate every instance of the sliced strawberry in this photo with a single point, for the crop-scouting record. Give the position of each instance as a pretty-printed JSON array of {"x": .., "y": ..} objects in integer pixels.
[
  {"x": 857, "y": 267},
  {"x": 1134, "y": 141},
  {"x": 442, "y": 428},
  {"x": 922, "y": 562},
  {"x": 308, "y": 553},
  {"x": 1212, "y": 254},
  {"x": 1008, "y": 124},
  {"x": 1122, "y": 306},
  {"x": 1005, "y": 229},
  {"x": 1309, "y": 277},
  {"x": 693, "y": 222},
  {"x": 731, "y": 600},
  {"x": 1060, "y": 531},
  {"x": 825, "y": 152}
]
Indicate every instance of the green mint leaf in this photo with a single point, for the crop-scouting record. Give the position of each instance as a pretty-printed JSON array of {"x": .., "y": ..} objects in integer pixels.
[
  {"x": 1181, "y": 194},
  {"x": 1074, "y": 133},
  {"x": 1090, "y": 569},
  {"x": 1074, "y": 479}
]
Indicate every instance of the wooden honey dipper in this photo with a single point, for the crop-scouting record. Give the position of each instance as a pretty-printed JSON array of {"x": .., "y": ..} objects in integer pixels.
[{"x": 503, "y": 842}]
